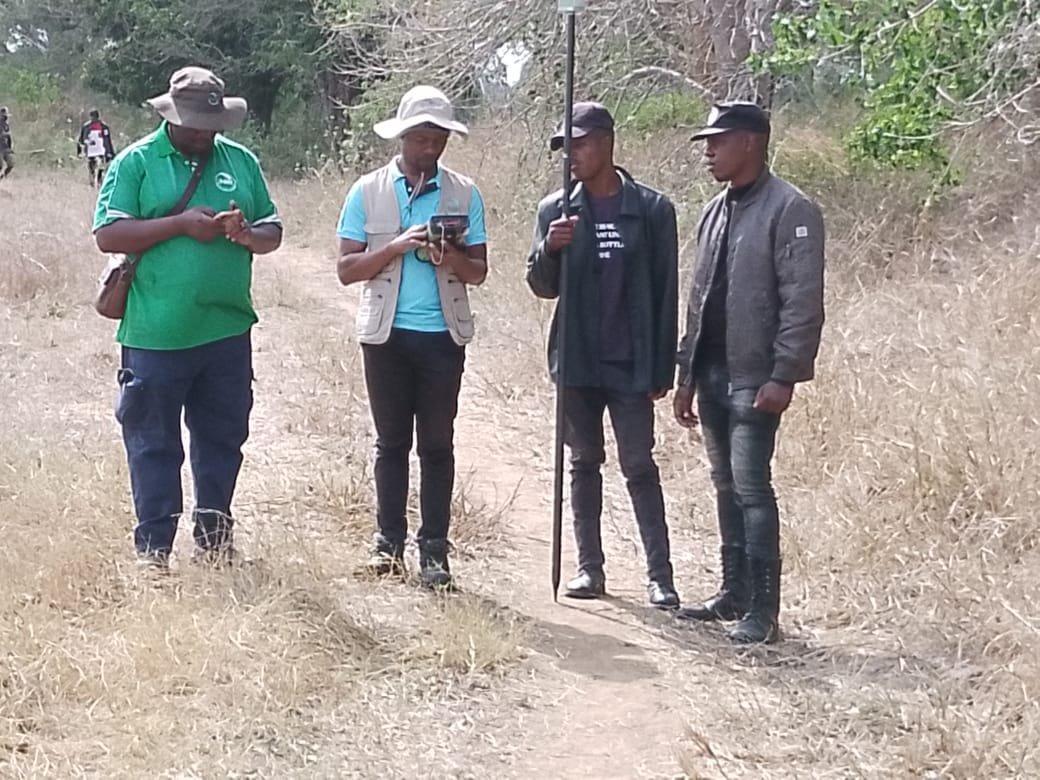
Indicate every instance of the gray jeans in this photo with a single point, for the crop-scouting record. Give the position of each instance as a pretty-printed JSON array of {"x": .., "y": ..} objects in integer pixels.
[
  {"x": 740, "y": 441},
  {"x": 632, "y": 415}
]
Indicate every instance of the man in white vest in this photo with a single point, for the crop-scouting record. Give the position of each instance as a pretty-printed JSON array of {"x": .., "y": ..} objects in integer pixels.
[{"x": 413, "y": 320}]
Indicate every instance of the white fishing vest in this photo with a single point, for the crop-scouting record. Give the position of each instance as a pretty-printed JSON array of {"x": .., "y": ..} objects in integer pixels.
[{"x": 378, "y": 306}]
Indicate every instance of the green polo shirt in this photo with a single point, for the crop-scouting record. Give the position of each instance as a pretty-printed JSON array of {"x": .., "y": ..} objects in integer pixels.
[{"x": 185, "y": 293}]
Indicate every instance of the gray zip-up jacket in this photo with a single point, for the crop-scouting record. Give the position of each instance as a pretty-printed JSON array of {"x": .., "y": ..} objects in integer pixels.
[
  {"x": 647, "y": 224},
  {"x": 774, "y": 301}
]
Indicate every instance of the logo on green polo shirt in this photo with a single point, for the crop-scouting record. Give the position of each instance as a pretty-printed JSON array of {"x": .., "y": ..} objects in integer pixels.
[{"x": 225, "y": 182}]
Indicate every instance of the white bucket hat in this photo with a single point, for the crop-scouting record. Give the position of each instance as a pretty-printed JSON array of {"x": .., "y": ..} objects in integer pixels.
[{"x": 420, "y": 105}]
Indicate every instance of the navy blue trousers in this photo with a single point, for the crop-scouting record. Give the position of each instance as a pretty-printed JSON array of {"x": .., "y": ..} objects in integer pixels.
[{"x": 211, "y": 386}]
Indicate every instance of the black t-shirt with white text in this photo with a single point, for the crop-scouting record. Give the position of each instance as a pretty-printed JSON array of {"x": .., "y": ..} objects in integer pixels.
[{"x": 615, "y": 342}]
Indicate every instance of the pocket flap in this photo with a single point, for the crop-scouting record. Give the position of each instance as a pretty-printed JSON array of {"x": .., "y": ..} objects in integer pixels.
[{"x": 381, "y": 227}]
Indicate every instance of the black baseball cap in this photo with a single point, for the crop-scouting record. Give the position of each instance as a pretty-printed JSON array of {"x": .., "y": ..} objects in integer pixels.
[
  {"x": 734, "y": 115},
  {"x": 585, "y": 117}
]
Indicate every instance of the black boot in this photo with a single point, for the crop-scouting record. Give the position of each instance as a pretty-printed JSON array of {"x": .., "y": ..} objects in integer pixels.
[
  {"x": 387, "y": 558},
  {"x": 761, "y": 623},
  {"x": 434, "y": 572},
  {"x": 732, "y": 600}
]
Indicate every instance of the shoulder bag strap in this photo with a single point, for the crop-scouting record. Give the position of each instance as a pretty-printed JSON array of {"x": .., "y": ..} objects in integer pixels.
[
  {"x": 189, "y": 191},
  {"x": 193, "y": 184}
]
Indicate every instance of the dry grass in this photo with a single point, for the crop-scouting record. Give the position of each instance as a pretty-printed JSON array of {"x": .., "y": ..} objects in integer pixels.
[
  {"x": 907, "y": 474},
  {"x": 254, "y": 672},
  {"x": 908, "y": 479}
]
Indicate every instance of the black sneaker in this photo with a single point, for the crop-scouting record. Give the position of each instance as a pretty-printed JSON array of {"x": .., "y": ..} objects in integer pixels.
[
  {"x": 213, "y": 557},
  {"x": 153, "y": 564},
  {"x": 586, "y": 585},
  {"x": 384, "y": 563},
  {"x": 662, "y": 595},
  {"x": 434, "y": 570},
  {"x": 386, "y": 559}
]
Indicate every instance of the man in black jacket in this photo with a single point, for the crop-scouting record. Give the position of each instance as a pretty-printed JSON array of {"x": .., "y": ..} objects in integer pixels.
[
  {"x": 621, "y": 311},
  {"x": 95, "y": 143},
  {"x": 752, "y": 331}
]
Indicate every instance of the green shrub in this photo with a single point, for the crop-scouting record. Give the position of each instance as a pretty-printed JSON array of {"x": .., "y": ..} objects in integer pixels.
[{"x": 660, "y": 110}]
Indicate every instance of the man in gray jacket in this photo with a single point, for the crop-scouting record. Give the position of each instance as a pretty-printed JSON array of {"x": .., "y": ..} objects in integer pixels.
[
  {"x": 752, "y": 332},
  {"x": 622, "y": 311}
]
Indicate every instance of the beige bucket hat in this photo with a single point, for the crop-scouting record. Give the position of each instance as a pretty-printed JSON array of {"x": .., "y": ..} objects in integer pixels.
[
  {"x": 421, "y": 105},
  {"x": 196, "y": 100}
]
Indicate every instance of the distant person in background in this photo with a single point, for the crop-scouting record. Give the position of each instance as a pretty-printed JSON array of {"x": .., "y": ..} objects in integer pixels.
[
  {"x": 752, "y": 333},
  {"x": 6, "y": 144},
  {"x": 414, "y": 321},
  {"x": 622, "y": 319},
  {"x": 186, "y": 332},
  {"x": 95, "y": 143}
]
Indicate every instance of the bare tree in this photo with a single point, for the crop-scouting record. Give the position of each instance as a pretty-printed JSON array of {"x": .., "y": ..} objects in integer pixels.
[
  {"x": 740, "y": 29},
  {"x": 625, "y": 46}
]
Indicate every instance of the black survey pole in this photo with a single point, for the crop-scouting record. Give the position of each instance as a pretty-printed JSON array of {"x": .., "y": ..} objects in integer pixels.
[{"x": 569, "y": 8}]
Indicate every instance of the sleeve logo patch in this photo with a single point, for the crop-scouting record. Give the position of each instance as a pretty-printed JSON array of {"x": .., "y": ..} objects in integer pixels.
[{"x": 801, "y": 232}]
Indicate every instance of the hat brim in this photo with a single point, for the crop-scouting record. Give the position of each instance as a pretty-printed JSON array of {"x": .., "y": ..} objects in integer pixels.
[
  {"x": 395, "y": 128},
  {"x": 232, "y": 114},
  {"x": 707, "y": 132},
  {"x": 556, "y": 142}
]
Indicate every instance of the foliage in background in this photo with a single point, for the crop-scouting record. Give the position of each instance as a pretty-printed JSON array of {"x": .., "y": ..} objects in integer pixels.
[
  {"x": 263, "y": 50},
  {"x": 650, "y": 112},
  {"x": 29, "y": 87},
  {"x": 916, "y": 69},
  {"x": 46, "y": 114},
  {"x": 319, "y": 73},
  {"x": 127, "y": 49}
]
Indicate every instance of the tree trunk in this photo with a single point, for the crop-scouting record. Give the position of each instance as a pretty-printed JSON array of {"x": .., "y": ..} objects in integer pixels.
[{"x": 738, "y": 29}]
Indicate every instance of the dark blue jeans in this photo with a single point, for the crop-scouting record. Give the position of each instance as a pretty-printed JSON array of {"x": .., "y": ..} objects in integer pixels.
[
  {"x": 413, "y": 383},
  {"x": 740, "y": 441},
  {"x": 632, "y": 415},
  {"x": 212, "y": 386}
]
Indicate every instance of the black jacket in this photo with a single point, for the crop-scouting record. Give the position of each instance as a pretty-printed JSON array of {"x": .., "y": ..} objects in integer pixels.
[
  {"x": 106, "y": 137},
  {"x": 648, "y": 229},
  {"x": 774, "y": 302}
]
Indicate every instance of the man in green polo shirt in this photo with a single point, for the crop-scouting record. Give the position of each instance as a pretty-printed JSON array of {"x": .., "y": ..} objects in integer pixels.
[{"x": 186, "y": 333}]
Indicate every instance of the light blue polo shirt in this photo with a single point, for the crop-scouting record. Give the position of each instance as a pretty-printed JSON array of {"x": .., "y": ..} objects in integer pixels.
[{"x": 418, "y": 302}]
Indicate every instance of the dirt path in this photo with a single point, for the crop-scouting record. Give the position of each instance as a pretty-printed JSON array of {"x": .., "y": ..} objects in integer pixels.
[
  {"x": 614, "y": 716},
  {"x": 608, "y": 706}
]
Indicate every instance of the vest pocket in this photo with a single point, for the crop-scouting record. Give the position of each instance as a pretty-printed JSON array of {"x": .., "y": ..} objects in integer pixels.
[
  {"x": 381, "y": 232},
  {"x": 463, "y": 316},
  {"x": 372, "y": 308}
]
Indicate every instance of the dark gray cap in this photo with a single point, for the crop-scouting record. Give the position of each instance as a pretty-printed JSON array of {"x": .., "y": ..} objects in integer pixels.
[
  {"x": 585, "y": 117},
  {"x": 734, "y": 115}
]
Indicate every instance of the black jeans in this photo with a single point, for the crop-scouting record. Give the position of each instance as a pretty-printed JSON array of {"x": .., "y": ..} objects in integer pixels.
[
  {"x": 632, "y": 415},
  {"x": 212, "y": 387},
  {"x": 413, "y": 381},
  {"x": 740, "y": 441}
]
